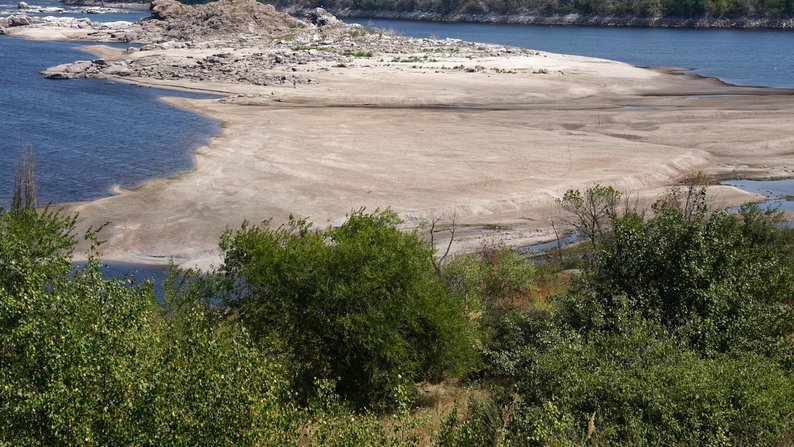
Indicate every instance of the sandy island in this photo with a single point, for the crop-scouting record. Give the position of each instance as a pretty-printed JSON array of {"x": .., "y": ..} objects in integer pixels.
[{"x": 490, "y": 141}]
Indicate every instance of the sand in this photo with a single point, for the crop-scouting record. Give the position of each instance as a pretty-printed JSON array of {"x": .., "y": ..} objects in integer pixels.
[{"x": 489, "y": 149}]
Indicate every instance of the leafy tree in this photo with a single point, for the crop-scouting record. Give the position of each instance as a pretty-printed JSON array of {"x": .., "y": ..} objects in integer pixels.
[
  {"x": 592, "y": 211},
  {"x": 360, "y": 304}
]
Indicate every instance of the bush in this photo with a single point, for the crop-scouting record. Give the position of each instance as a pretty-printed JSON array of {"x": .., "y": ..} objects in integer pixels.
[
  {"x": 359, "y": 304},
  {"x": 713, "y": 280},
  {"x": 647, "y": 389},
  {"x": 85, "y": 361},
  {"x": 480, "y": 426},
  {"x": 495, "y": 275},
  {"x": 679, "y": 334}
]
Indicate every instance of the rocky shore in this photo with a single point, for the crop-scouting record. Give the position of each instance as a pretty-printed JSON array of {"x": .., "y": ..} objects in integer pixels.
[
  {"x": 245, "y": 42},
  {"x": 320, "y": 118},
  {"x": 25, "y": 8}
]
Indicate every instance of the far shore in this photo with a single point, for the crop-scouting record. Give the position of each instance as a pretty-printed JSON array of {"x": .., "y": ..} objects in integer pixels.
[
  {"x": 572, "y": 19},
  {"x": 489, "y": 149},
  {"x": 528, "y": 18}
]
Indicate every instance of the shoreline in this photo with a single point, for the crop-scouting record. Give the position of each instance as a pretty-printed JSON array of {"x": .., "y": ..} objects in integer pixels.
[
  {"x": 282, "y": 138},
  {"x": 572, "y": 19}
]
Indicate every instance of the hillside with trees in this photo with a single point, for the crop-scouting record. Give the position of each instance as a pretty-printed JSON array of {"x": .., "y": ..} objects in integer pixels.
[
  {"x": 778, "y": 14},
  {"x": 655, "y": 12}
]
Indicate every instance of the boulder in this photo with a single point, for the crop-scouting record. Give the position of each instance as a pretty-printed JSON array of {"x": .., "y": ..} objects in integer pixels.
[
  {"x": 19, "y": 21},
  {"x": 230, "y": 19},
  {"x": 321, "y": 18},
  {"x": 75, "y": 70},
  {"x": 167, "y": 9},
  {"x": 118, "y": 68}
]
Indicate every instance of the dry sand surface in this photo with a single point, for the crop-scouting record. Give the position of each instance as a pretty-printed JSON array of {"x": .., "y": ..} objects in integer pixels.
[{"x": 492, "y": 148}]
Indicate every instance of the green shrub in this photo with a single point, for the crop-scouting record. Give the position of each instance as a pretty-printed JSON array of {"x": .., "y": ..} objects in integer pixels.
[
  {"x": 360, "y": 304},
  {"x": 647, "y": 389},
  {"x": 717, "y": 282},
  {"x": 495, "y": 275},
  {"x": 85, "y": 361},
  {"x": 480, "y": 426}
]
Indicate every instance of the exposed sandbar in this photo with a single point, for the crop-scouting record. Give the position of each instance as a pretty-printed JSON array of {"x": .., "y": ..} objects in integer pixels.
[{"x": 491, "y": 141}]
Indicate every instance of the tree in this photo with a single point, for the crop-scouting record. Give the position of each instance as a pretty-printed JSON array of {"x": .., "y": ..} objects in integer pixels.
[
  {"x": 591, "y": 211},
  {"x": 25, "y": 193},
  {"x": 360, "y": 304},
  {"x": 719, "y": 282}
]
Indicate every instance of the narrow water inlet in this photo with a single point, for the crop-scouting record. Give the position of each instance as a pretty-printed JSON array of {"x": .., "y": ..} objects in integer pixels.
[{"x": 779, "y": 193}]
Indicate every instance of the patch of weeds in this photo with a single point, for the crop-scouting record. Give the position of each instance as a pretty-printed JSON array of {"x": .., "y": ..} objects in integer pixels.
[{"x": 358, "y": 53}]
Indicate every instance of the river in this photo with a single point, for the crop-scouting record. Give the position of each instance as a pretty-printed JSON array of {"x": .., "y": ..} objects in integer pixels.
[{"x": 88, "y": 135}]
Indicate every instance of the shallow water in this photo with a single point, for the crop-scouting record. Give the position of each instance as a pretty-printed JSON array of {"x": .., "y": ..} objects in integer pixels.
[
  {"x": 780, "y": 193},
  {"x": 87, "y": 134},
  {"x": 137, "y": 274}
]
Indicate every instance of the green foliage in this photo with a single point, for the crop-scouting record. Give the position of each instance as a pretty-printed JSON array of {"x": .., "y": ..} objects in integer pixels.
[
  {"x": 35, "y": 248},
  {"x": 646, "y": 389},
  {"x": 679, "y": 334},
  {"x": 85, "y": 361},
  {"x": 66, "y": 366},
  {"x": 591, "y": 211},
  {"x": 494, "y": 275},
  {"x": 717, "y": 282},
  {"x": 359, "y": 304},
  {"x": 330, "y": 421},
  {"x": 481, "y": 426},
  {"x": 208, "y": 385}
]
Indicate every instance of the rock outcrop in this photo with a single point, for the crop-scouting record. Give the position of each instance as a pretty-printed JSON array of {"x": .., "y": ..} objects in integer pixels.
[
  {"x": 321, "y": 18},
  {"x": 167, "y": 9},
  {"x": 74, "y": 70},
  {"x": 221, "y": 20},
  {"x": 22, "y": 20}
]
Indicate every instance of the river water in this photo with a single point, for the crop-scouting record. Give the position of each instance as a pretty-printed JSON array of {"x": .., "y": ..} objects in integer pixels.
[{"x": 87, "y": 135}]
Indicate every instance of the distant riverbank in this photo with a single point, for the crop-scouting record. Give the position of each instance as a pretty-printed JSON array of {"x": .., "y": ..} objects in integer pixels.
[
  {"x": 564, "y": 19},
  {"x": 685, "y": 16}
]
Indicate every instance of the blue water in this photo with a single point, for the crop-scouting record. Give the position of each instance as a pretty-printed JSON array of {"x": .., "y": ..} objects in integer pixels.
[
  {"x": 87, "y": 134},
  {"x": 743, "y": 57},
  {"x": 778, "y": 192},
  {"x": 135, "y": 274}
]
